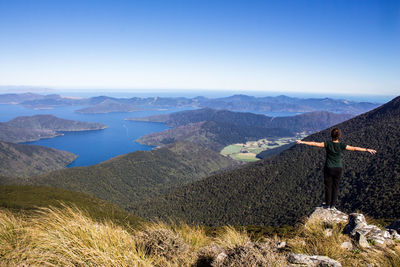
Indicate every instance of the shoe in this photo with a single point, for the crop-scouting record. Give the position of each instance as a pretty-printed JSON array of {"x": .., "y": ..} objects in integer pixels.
[
  {"x": 333, "y": 209},
  {"x": 325, "y": 207}
]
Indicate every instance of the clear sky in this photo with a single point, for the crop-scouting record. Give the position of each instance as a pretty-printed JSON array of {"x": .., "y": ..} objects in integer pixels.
[{"x": 341, "y": 46}]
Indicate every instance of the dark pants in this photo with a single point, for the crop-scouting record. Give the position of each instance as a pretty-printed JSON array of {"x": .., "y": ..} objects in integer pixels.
[{"x": 331, "y": 182}]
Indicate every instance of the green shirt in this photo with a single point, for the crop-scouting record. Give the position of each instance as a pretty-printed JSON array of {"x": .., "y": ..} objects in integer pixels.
[{"x": 334, "y": 154}]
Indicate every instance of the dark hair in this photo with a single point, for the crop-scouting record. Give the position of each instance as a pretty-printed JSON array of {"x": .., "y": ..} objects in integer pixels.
[{"x": 336, "y": 134}]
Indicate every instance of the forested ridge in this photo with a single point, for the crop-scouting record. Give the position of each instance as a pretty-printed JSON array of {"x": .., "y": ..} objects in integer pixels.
[
  {"x": 219, "y": 128},
  {"x": 281, "y": 189},
  {"x": 28, "y": 160},
  {"x": 139, "y": 175}
]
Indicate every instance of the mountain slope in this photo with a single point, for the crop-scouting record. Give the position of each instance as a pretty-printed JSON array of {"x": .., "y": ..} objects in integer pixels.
[
  {"x": 28, "y": 198},
  {"x": 311, "y": 121},
  {"x": 219, "y": 128},
  {"x": 27, "y": 160},
  {"x": 211, "y": 134},
  {"x": 139, "y": 175},
  {"x": 31, "y": 128},
  {"x": 283, "y": 188}
]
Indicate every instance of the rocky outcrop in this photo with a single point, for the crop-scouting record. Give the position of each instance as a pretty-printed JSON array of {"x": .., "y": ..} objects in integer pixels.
[
  {"x": 359, "y": 229},
  {"x": 328, "y": 215}
]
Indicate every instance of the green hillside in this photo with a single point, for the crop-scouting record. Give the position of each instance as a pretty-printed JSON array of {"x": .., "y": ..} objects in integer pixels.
[
  {"x": 311, "y": 121},
  {"x": 216, "y": 129},
  {"x": 283, "y": 188},
  {"x": 27, "y": 160},
  {"x": 139, "y": 175},
  {"x": 29, "y": 198},
  {"x": 32, "y": 128},
  {"x": 211, "y": 134}
]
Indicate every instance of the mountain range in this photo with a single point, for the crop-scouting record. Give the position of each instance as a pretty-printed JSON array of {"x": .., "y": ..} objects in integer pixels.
[
  {"x": 218, "y": 128},
  {"x": 282, "y": 189},
  {"x": 105, "y": 104}
]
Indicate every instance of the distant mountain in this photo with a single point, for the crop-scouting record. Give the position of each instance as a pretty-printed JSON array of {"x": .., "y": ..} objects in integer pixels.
[
  {"x": 31, "y": 128},
  {"x": 27, "y": 160},
  {"x": 235, "y": 103},
  {"x": 284, "y": 103},
  {"x": 108, "y": 106},
  {"x": 311, "y": 121},
  {"x": 218, "y": 128},
  {"x": 19, "y": 98},
  {"x": 283, "y": 188},
  {"x": 139, "y": 175},
  {"x": 29, "y": 198},
  {"x": 213, "y": 135}
]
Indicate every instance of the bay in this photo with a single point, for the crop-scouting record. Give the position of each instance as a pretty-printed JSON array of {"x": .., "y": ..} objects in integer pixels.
[{"x": 93, "y": 147}]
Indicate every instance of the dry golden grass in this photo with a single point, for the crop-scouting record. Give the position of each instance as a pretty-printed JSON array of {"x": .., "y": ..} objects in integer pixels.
[
  {"x": 312, "y": 240},
  {"x": 68, "y": 237},
  {"x": 230, "y": 237}
]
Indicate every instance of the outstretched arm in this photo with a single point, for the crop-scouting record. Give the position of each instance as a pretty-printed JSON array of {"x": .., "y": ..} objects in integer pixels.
[
  {"x": 354, "y": 148},
  {"x": 317, "y": 144}
]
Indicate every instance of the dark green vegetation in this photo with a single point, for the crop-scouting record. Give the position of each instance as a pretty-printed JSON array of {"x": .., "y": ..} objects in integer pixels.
[
  {"x": 29, "y": 198},
  {"x": 284, "y": 188},
  {"x": 104, "y": 104},
  {"x": 270, "y": 152},
  {"x": 31, "y": 128},
  {"x": 219, "y": 128},
  {"x": 27, "y": 160},
  {"x": 211, "y": 134},
  {"x": 139, "y": 175}
]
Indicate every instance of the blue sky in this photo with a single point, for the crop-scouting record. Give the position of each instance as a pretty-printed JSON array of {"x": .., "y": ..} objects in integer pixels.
[{"x": 332, "y": 46}]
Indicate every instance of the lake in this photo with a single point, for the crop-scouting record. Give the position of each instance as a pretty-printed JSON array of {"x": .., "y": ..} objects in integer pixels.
[{"x": 93, "y": 147}]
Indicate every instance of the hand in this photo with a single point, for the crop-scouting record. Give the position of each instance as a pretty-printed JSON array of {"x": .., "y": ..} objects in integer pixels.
[
  {"x": 299, "y": 142},
  {"x": 371, "y": 151}
]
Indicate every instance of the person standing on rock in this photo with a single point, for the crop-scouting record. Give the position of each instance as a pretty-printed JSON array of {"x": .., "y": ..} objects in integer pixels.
[{"x": 333, "y": 164}]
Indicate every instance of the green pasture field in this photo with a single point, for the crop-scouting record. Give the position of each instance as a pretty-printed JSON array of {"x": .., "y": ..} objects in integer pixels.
[{"x": 247, "y": 152}]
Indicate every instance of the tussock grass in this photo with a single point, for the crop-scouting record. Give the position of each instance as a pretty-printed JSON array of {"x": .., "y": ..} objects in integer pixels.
[
  {"x": 311, "y": 239},
  {"x": 230, "y": 237},
  {"x": 67, "y": 236}
]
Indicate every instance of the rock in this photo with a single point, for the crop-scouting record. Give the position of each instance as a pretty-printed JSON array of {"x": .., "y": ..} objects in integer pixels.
[
  {"x": 347, "y": 245},
  {"x": 361, "y": 240},
  {"x": 328, "y": 232},
  {"x": 221, "y": 257},
  {"x": 281, "y": 244},
  {"x": 358, "y": 224},
  {"x": 329, "y": 216},
  {"x": 394, "y": 234},
  {"x": 312, "y": 260},
  {"x": 395, "y": 226}
]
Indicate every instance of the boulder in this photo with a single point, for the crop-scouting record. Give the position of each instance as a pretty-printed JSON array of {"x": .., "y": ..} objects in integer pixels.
[
  {"x": 307, "y": 260},
  {"x": 328, "y": 216},
  {"x": 361, "y": 240},
  {"x": 347, "y": 245},
  {"x": 358, "y": 226}
]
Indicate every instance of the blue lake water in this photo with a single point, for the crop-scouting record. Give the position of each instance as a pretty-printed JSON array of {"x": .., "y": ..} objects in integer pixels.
[{"x": 93, "y": 147}]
